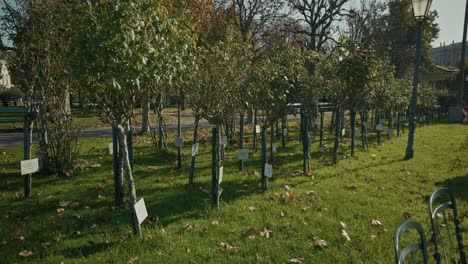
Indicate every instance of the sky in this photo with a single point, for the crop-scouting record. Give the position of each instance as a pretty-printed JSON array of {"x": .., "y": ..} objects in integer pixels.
[{"x": 450, "y": 20}]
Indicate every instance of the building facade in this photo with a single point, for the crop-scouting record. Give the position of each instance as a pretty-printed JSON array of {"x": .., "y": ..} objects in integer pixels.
[{"x": 448, "y": 55}]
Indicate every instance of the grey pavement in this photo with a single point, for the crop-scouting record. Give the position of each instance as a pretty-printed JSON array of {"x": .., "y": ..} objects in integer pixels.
[{"x": 8, "y": 140}]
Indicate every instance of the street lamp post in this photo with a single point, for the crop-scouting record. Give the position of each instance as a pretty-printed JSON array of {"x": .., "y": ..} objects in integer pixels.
[{"x": 420, "y": 11}]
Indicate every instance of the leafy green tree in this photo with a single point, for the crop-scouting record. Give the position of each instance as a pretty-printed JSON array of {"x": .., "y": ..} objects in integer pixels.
[
  {"x": 121, "y": 45},
  {"x": 355, "y": 73},
  {"x": 41, "y": 37},
  {"x": 271, "y": 83}
]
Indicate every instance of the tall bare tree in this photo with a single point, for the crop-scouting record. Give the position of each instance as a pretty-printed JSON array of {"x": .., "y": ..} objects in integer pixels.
[
  {"x": 319, "y": 16},
  {"x": 253, "y": 15},
  {"x": 365, "y": 24}
]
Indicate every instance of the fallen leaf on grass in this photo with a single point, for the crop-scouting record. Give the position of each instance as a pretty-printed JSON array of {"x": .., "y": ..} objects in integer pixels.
[
  {"x": 345, "y": 234},
  {"x": 296, "y": 260},
  {"x": 406, "y": 215},
  {"x": 266, "y": 233},
  {"x": 320, "y": 243},
  {"x": 215, "y": 223},
  {"x": 25, "y": 253},
  {"x": 225, "y": 245},
  {"x": 375, "y": 222},
  {"x": 46, "y": 245},
  {"x": 289, "y": 196},
  {"x": 188, "y": 227},
  {"x": 60, "y": 210},
  {"x": 132, "y": 260},
  {"x": 153, "y": 219},
  {"x": 251, "y": 208},
  {"x": 310, "y": 192},
  {"x": 343, "y": 224}
]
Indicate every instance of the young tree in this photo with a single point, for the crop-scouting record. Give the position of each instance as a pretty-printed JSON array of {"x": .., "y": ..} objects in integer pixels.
[
  {"x": 41, "y": 37},
  {"x": 271, "y": 84},
  {"x": 220, "y": 70},
  {"x": 355, "y": 73},
  {"x": 119, "y": 46}
]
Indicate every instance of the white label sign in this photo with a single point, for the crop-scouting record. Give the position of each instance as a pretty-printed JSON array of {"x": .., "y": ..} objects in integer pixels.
[
  {"x": 243, "y": 154},
  {"x": 179, "y": 142},
  {"x": 257, "y": 129},
  {"x": 379, "y": 127},
  {"x": 223, "y": 140},
  {"x": 343, "y": 132},
  {"x": 195, "y": 149},
  {"x": 111, "y": 148},
  {"x": 140, "y": 210},
  {"x": 285, "y": 132},
  {"x": 357, "y": 132},
  {"x": 220, "y": 177},
  {"x": 273, "y": 148},
  {"x": 29, "y": 166},
  {"x": 389, "y": 131},
  {"x": 268, "y": 170}
]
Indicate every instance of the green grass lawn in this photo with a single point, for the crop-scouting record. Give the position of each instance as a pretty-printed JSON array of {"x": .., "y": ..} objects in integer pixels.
[{"x": 73, "y": 220}]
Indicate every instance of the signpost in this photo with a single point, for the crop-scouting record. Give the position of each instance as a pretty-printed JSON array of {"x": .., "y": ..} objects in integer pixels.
[
  {"x": 195, "y": 149},
  {"x": 268, "y": 170},
  {"x": 29, "y": 166},
  {"x": 243, "y": 154},
  {"x": 140, "y": 211}
]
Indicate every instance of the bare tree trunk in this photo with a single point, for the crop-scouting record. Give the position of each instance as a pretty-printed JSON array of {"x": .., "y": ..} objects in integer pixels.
[
  {"x": 128, "y": 171},
  {"x": 145, "y": 115}
]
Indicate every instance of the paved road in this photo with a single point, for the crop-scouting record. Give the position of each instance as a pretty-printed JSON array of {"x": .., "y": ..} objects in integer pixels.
[
  {"x": 16, "y": 139},
  {"x": 8, "y": 140}
]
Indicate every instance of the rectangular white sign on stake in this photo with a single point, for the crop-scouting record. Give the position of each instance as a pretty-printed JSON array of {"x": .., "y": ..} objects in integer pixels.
[
  {"x": 243, "y": 154},
  {"x": 357, "y": 132},
  {"x": 268, "y": 170},
  {"x": 389, "y": 131},
  {"x": 273, "y": 149},
  {"x": 257, "y": 129},
  {"x": 223, "y": 140},
  {"x": 179, "y": 142},
  {"x": 111, "y": 148},
  {"x": 379, "y": 127},
  {"x": 343, "y": 132},
  {"x": 195, "y": 149},
  {"x": 140, "y": 211},
  {"x": 285, "y": 132},
  {"x": 29, "y": 166},
  {"x": 220, "y": 174}
]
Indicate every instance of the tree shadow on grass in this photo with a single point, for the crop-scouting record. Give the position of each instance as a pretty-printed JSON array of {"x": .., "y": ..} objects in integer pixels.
[
  {"x": 86, "y": 251},
  {"x": 458, "y": 185}
]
